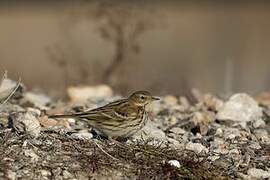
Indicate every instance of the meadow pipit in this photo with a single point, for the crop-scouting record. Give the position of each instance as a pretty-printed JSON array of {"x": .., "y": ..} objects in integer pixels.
[{"x": 118, "y": 119}]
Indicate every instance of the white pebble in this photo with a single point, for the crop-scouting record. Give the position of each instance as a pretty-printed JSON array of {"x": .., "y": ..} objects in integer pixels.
[{"x": 174, "y": 163}]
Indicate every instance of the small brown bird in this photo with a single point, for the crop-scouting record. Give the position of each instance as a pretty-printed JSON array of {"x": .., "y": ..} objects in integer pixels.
[{"x": 118, "y": 119}]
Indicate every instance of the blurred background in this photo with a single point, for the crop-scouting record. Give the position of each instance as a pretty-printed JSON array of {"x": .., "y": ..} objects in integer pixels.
[{"x": 161, "y": 46}]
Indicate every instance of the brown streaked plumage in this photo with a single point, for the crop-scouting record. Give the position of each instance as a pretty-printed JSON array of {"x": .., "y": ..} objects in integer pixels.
[{"x": 118, "y": 119}]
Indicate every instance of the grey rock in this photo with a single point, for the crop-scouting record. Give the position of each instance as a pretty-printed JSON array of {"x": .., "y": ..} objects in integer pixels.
[
  {"x": 175, "y": 144},
  {"x": 151, "y": 131},
  {"x": 25, "y": 122},
  {"x": 196, "y": 147},
  {"x": 231, "y": 133},
  {"x": 82, "y": 135},
  {"x": 240, "y": 107},
  {"x": 255, "y": 173},
  {"x": 259, "y": 123},
  {"x": 177, "y": 130}
]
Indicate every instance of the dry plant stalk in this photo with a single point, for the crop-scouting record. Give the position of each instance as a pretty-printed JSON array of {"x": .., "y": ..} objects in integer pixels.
[
  {"x": 99, "y": 146},
  {"x": 5, "y": 99}
]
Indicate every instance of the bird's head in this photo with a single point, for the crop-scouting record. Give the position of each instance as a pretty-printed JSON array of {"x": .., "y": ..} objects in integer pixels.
[{"x": 142, "y": 98}]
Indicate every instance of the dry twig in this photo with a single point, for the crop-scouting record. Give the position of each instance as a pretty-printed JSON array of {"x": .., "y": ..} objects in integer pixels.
[{"x": 12, "y": 92}]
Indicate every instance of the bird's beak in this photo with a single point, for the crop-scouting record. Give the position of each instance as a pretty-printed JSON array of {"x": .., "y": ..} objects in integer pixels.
[{"x": 154, "y": 98}]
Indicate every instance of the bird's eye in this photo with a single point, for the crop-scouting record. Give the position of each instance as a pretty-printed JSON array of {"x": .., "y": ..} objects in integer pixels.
[{"x": 142, "y": 97}]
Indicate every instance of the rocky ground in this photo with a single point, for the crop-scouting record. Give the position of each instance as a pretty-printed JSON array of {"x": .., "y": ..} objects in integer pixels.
[{"x": 196, "y": 137}]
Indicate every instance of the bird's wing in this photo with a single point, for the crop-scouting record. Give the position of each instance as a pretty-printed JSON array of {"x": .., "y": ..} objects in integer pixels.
[{"x": 118, "y": 110}]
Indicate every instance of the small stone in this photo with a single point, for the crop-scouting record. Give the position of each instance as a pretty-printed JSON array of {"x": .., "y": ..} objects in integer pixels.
[
  {"x": 11, "y": 175},
  {"x": 222, "y": 163},
  {"x": 8, "y": 159},
  {"x": 184, "y": 102},
  {"x": 231, "y": 136},
  {"x": 45, "y": 173},
  {"x": 234, "y": 154},
  {"x": 175, "y": 144},
  {"x": 203, "y": 119},
  {"x": 67, "y": 175},
  {"x": 174, "y": 163},
  {"x": 241, "y": 125},
  {"x": 231, "y": 133},
  {"x": 150, "y": 130},
  {"x": 177, "y": 130},
  {"x": 255, "y": 145},
  {"x": 57, "y": 172},
  {"x": 39, "y": 100},
  {"x": 30, "y": 153},
  {"x": 219, "y": 132},
  {"x": 49, "y": 123},
  {"x": 262, "y": 135},
  {"x": 242, "y": 175},
  {"x": 173, "y": 120},
  {"x": 196, "y": 147},
  {"x": 83, "y": 93},
  {"x": 25, "y": 122},
  {"x": 212, "y": 102},
  {"x": 218, "y": 146},
  {"x": 259, "y": 123},
  {"x": 170, "y": 100},
  {"x": 35, "y": 112},
  {"x": 255, "y": 173},
  {"x": 185, "y": 137},
  {"x": 82, "y": 135},
  {"x": 213, "y": 158},
  {"x": 240, "y": 107}
]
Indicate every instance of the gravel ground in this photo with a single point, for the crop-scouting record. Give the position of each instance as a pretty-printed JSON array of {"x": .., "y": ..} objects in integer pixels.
[{"x": 196, "y": 137}]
